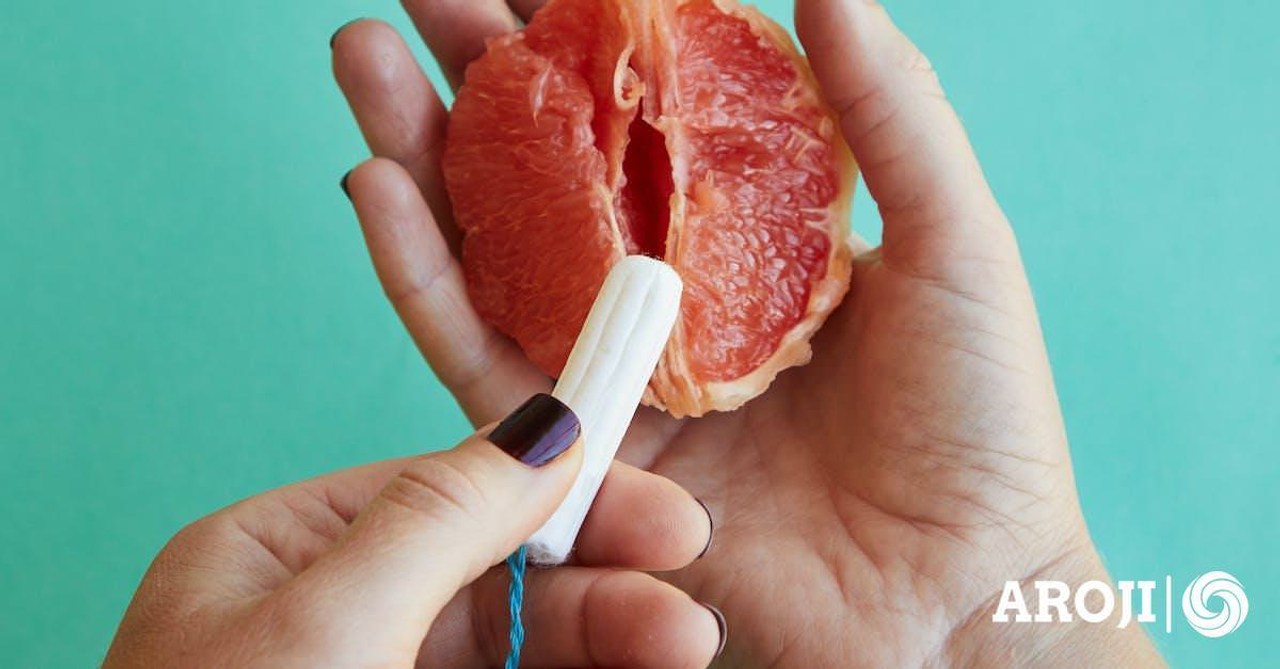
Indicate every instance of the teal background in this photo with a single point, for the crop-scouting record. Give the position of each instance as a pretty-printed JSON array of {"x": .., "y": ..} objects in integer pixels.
[{"x": 188, "y": 316}]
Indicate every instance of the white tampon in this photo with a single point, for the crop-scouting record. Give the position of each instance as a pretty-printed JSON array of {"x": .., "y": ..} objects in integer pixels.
[{"x": 603, "y": 380}]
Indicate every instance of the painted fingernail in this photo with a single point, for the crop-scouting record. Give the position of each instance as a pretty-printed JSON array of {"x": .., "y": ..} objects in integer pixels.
[
  {"x": 333, "y": 38},
  {"x": 724, "y": 627},
  {"x": 343, "y": 184},
  {"x": 537, "y": 432},
  {"x": 710, "y": 532}
]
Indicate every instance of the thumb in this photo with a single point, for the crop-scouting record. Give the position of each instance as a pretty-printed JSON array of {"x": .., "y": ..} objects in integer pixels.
[
  {"x": 907, "y": 139},
  {"x": 438, "y": 525}
]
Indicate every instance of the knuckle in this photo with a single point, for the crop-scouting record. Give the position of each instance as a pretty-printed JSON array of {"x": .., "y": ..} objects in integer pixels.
[
  {"x": 200, "y": 535},
  {"x": 436, "y": 487},
  {"x": 915, "y": 61},
  {"x": 918, "y": 65},
  {"x": 415, "y": 287},
  {"x": 193, "y": 533}
]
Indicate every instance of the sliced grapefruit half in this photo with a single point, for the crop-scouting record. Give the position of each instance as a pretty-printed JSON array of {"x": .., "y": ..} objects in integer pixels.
[{"x": 691, "y": 131}]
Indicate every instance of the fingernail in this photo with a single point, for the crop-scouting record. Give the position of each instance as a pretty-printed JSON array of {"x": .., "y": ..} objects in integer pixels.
[
  {"x": 333, "y": 38},
  {"x": 343, "y": 184},
  {"x": 724, "y": 627},
  {"x": 711, "y": 532},
  {"x": 539, "y": 431}
]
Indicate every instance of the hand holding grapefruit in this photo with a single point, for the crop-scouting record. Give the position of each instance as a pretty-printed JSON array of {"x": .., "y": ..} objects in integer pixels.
[{"x": 915, "y": 494}]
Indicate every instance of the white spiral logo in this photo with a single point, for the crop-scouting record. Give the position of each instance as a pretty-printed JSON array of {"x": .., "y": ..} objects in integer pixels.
[{"x": 1195, "y": 604}]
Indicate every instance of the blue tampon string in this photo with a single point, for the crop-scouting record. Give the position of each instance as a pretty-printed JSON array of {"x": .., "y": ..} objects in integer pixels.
[{"x": 515, "y": 600}]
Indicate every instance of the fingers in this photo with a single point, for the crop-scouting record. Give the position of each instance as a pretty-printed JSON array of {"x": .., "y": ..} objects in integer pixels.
[
  {"x": 486, "y": 372},
  {"x": 643, "y": 521},
  {"x": 907, "y": 139},
  {"x": 455, "y": 30},
  {"x": 640, "y": 520},
  {"x": 576, "y": 617},
  {"x": 439, "y": 524},
  {"x": 397, "y": 109}
]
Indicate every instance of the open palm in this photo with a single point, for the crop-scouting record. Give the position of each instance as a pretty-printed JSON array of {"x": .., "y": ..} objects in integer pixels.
[{"x": 870, "y": 505}]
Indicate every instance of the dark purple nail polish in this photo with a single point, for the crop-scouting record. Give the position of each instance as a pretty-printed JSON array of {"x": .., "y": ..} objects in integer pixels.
[
  {"x": 710, "y": 532},
  {"x": 333, "y": 38},
  {"x": 539, "y": 431},
  {"x": 343, "y": 184},
  {"x": 724, "y": 627}
]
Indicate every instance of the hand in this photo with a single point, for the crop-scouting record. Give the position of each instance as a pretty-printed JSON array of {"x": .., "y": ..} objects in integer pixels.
[
  {"x": 870, "y": 505},
  {"x": 354, "y": 568}
]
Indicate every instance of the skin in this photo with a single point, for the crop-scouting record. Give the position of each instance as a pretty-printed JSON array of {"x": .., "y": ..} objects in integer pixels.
[
  {"x": 868, "y": 508},
  {"x": 356, "y": 568}
]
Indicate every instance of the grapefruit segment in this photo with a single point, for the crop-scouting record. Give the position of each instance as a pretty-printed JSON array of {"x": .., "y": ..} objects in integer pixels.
[{"x": 686, "y": 130}]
